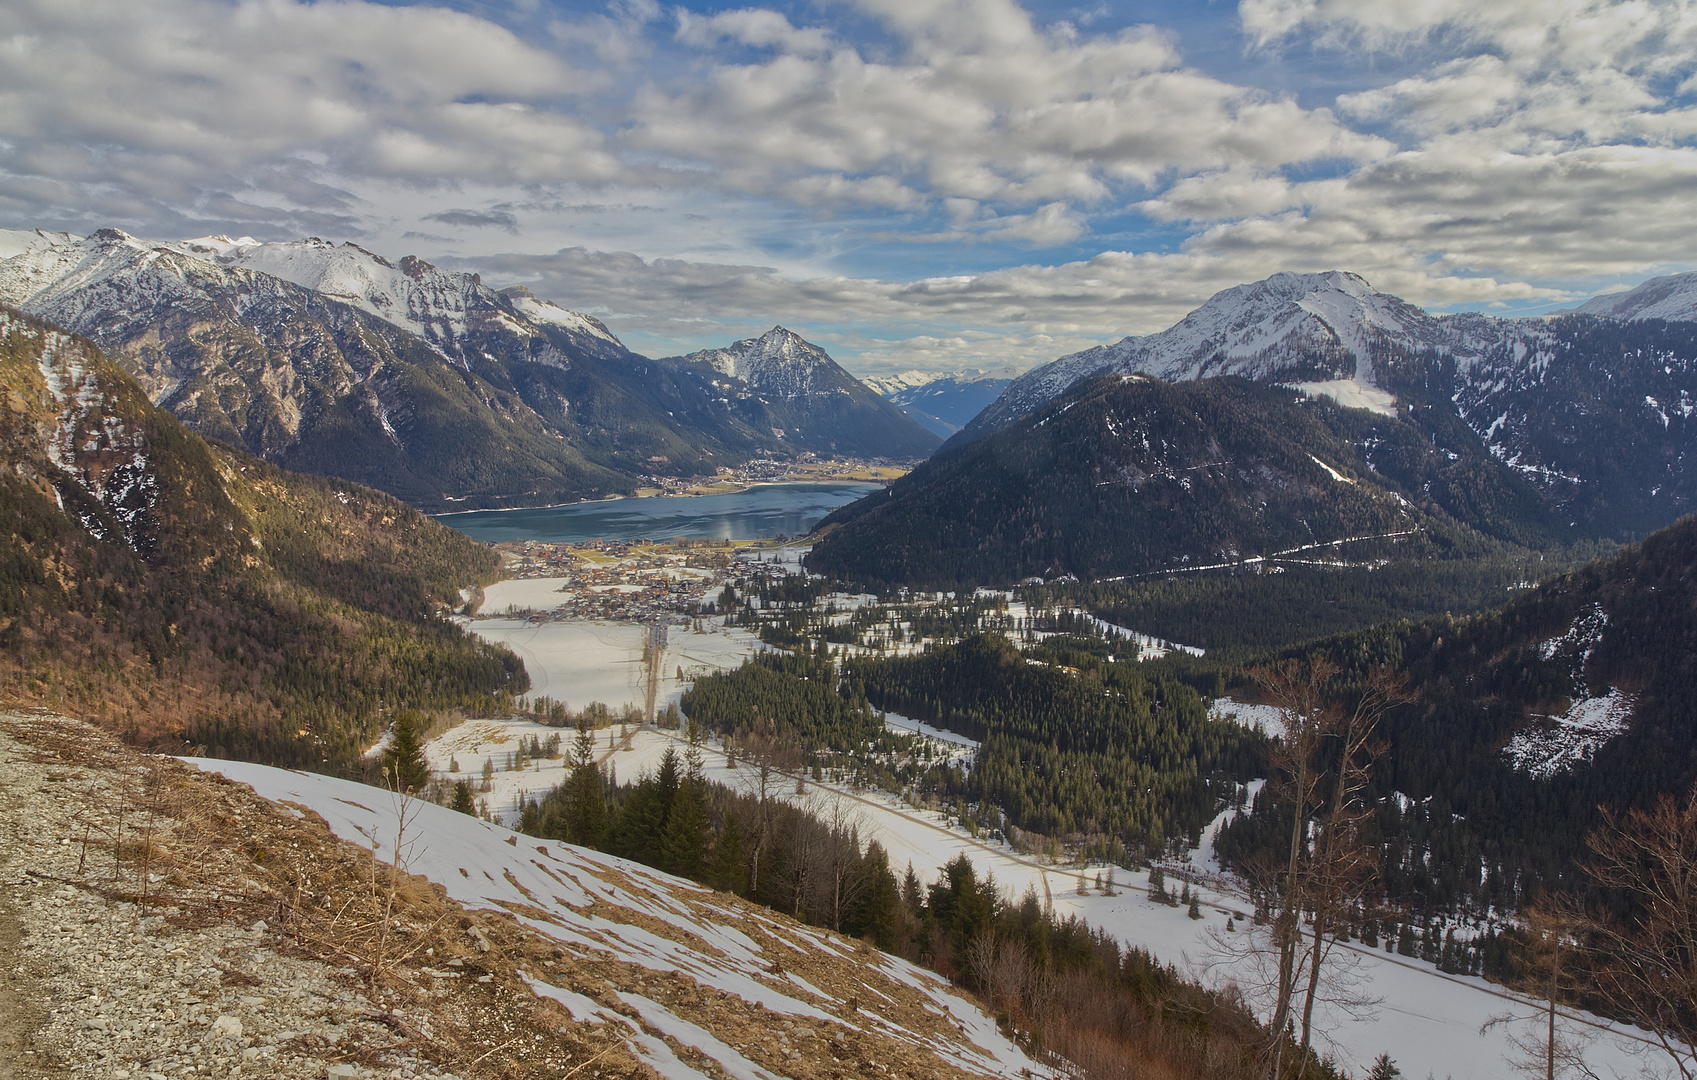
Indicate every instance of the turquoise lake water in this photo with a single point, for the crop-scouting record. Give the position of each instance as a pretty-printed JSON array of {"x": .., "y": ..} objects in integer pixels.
[{"x": 759, "y": 513}]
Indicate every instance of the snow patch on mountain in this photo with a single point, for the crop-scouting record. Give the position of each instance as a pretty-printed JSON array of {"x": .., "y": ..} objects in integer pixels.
[
  {"x": 540, "y": 311},
  {"x": 88, "y": 445},
  {"x": 1673, "y": 298},
  {"x": 1351, "y": 394},
  {"x": 1553, "y": 745}
]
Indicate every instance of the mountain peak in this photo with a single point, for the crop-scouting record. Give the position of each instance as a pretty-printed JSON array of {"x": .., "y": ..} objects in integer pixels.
[{"x": 1317, "y": 329}]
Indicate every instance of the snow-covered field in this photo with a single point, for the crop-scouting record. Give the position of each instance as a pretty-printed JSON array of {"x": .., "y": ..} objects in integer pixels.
[
  {"x": 524, "y": 594},
  {"x": 583, "y": 660},
  {"x": 565, "y": 893}
]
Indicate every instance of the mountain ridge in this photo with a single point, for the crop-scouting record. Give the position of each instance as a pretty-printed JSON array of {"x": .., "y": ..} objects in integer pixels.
[
  {"x": 182, "y": 592},
  {"x": 422, "y": 382}
]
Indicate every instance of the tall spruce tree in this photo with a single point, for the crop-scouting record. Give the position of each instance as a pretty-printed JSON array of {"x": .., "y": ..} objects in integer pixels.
[
  {"x": 404, "y": 767},
  {"x": 586, "y": 807}
]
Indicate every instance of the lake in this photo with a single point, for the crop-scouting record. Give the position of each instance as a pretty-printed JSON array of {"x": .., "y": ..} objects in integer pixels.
[{"x": 760, "y": 512}]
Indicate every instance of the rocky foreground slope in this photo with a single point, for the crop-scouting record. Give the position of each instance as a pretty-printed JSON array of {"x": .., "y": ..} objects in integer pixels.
[{"x": 156, "y": 919}]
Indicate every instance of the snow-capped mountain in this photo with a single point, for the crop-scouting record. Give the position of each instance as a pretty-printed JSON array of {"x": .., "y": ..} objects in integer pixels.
[
  {"x": 421, "y": 381},
  {"x": 779, "y": 361},
  {"x": 943, "y": 402},
  {"x": 785, "y": 384},
  {"x": 1310, "y": 329},
  {"x": 1530, "y": 430},
  {"x": 1673, "y": 298}
]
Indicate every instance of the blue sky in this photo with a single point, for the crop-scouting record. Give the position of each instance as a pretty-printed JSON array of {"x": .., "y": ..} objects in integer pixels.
[{"x": 911, "y": 183}]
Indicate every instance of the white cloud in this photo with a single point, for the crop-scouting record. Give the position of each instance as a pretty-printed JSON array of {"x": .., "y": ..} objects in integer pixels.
[
  {"x": 750, "y": 26},
  {"x": 174, "y": 97},
  {"x": 979, "y": 104},
  {"x": 1523, "y": 146}
]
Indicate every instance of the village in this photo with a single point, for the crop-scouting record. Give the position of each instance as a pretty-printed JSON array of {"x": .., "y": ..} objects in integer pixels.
[
  {"x": 616, "y": 579},
  {"x": 805, "y": 468}
]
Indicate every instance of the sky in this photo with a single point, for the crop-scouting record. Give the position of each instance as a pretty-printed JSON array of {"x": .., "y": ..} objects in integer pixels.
[{"x": 932, "y": 184}]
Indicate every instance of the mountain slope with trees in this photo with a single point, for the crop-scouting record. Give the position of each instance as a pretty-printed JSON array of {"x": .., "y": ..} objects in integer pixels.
[
  {"x": 1527, "y": 722},
  {"x": 182, "y": 592},
  {"x": 1130, "y": 475}
]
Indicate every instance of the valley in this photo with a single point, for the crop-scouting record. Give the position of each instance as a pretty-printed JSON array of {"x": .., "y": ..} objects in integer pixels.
[
  {"x": 1426, "y": 1019},
  {"x": 1012, "y": 715},
  {"x": 969, "y": 540}
]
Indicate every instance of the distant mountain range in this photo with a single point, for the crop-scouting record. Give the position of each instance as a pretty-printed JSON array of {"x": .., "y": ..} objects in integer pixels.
[
  {"x": 421, "y": 382},
  {"x": 943, "y": 402},
  {"x": 1322, "y": 330},
  {"x": 1331, "y": 334}
]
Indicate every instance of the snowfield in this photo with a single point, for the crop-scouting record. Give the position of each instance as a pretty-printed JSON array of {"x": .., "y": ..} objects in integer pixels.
[{"x": 599, "y": 906}]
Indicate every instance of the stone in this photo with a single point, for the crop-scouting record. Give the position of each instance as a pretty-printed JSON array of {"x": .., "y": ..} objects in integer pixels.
[
  {"x": 343, "y": 1072},
  {"x": 227, "y": 1026}
]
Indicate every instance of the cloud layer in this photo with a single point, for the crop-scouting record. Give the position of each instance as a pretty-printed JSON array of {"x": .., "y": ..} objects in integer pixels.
[{"x": 923, "y": 181}]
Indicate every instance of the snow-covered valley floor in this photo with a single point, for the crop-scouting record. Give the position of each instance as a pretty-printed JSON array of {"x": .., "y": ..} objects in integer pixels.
[{"x": 1428, "y": 1021}]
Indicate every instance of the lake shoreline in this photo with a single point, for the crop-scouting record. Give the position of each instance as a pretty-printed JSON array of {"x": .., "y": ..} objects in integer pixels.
[
  {"x": 738, "y": 488},
  {"x": 759, "y": 511}
]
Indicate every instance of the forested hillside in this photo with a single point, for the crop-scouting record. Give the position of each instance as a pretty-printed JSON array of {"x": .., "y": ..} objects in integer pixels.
[
  {"x": 1073, "y": 746},
  {"x": 1131, "y": 476},
  {"x": 1575, "y": 697},
  {"x": 182, "y": 592}
]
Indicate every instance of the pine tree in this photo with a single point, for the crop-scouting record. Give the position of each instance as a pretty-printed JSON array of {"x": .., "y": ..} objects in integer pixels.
[
  {"x": 878, "y": 903},
  {"x": 684, "y": 843},
  {"x": 727, "y": 873},
  {"x": 586, "y": 808},
  {"x": 404, "y": 767},
  {"x": 1384, "y": 1069},
  {"x": 462, "y": 797}
]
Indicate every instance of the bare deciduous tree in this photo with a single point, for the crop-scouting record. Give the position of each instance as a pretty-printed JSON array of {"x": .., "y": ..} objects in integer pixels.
[
  {"x": 1547, "y": 1044},
  {"x": 1321, "y": 763},
  {"x": 1646, "y": 958}
]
